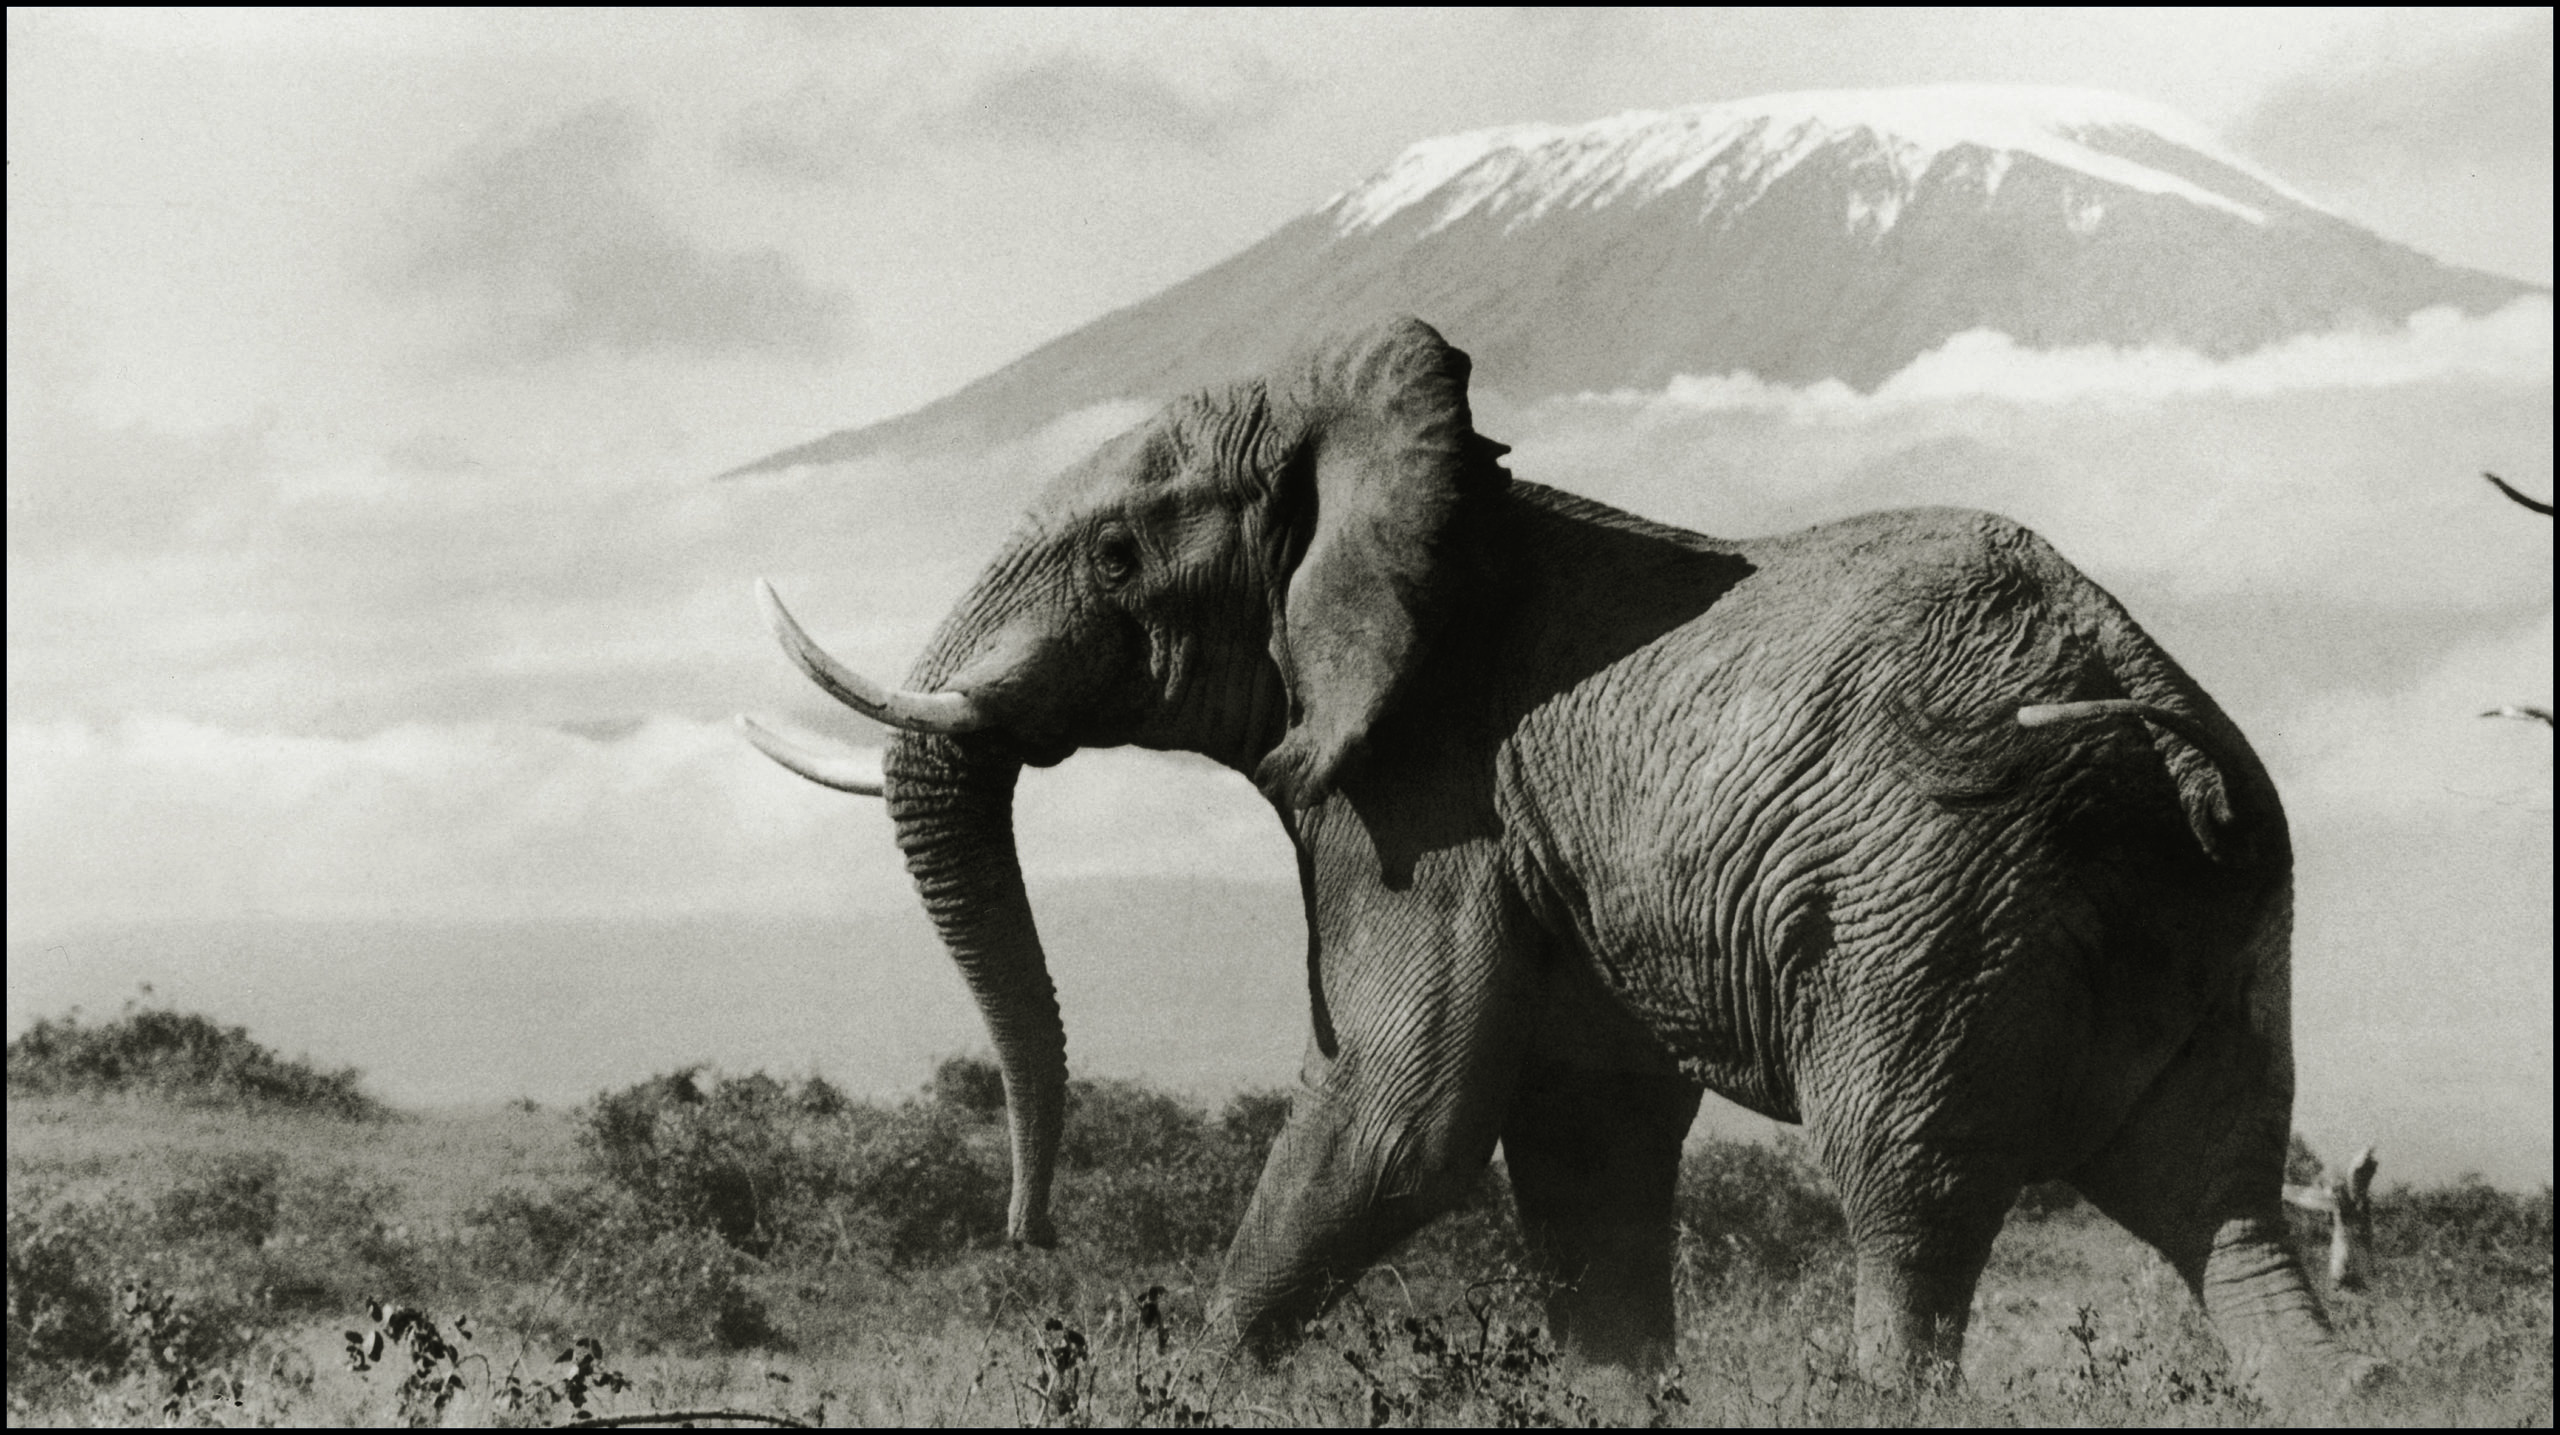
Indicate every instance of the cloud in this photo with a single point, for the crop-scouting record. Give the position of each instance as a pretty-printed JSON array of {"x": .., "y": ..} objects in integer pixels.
[
  {"x": 552, "y": 246},
  {"x": 150, "y": 818},
  {"x": 2423, "y": 742},
  {"x": 2326, "y": 475},
  {"x": 1068, "y": 98},
  {"x": 818, "y": 132},
  {"x": 2484, "y": 99},
  {"x": 319, "y": 589},
  {"x": 2434, "y": 131},
  {"x": 2511, "y": 346},
  {"x": 888, "y": 118}
]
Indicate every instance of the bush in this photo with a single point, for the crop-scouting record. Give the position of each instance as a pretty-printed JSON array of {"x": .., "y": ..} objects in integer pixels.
[
  {"x": 1150, "y": 1177},
  {"x": 1122, "y": 1125},
  {"x": 177, "y": 1056},
  {"x": 2471, "y": 1227},
  {"x": 759, "y": 1165},
  {"x": 1741, "y": 1204},
  {"x": 1253, "y": 1120},
  {"x": 910, "y": 1187},
  {"x": 226, "y": 1200},
  {"x": 529, "y": 1235},
  {"x": 62, "y": 1296},
  {"x": 692, "y": 1161},
  {"x": 674, "y": 1288},
  {"x": 968, "y": 1086}
]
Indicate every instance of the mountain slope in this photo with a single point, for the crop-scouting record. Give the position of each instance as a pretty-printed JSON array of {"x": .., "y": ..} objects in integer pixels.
[{"x": 1799, "y": 237}]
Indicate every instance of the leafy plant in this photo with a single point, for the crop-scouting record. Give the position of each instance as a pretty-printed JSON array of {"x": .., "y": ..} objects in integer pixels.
[{"x": 433, "y": 1360}]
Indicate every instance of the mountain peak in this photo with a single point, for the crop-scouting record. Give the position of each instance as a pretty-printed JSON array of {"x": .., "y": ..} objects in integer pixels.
[
  {"x": 1741, "y": 147},
  {"x": 1804, "y": 237}
]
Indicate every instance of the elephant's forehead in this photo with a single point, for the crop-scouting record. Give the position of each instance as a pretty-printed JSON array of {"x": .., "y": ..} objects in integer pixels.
[{"x": 1153, "y": 467}]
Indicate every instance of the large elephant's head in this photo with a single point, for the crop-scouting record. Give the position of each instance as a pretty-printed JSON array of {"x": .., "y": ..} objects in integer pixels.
[{"x": 1253, "y": 574}]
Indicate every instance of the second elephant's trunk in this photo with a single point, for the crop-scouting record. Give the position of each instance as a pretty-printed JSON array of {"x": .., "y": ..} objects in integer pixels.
[{"x": 952, "y": 801}]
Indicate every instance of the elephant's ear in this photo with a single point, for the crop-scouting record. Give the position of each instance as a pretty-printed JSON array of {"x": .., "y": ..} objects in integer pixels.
[{"x": 1389, "y": 484}]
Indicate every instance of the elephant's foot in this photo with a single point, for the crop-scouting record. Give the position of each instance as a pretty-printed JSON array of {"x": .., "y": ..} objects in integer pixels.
[{"x": 1906, "y": 1341}]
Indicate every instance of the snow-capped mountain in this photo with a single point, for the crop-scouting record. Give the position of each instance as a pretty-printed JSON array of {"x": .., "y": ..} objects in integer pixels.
[{"x": 1834, "y": 234}]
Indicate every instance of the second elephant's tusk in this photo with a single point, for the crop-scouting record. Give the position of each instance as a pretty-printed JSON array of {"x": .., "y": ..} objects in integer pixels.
[
  {"x": 844, "y": 770},
  {"x": 912, "y": 712}
]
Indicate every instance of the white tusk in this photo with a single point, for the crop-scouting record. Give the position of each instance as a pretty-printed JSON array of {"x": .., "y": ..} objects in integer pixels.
[
  {"x": 2050, "y": 714},
  {"x": 912, "y": 712},
  {"x": 842, "y": 769}
]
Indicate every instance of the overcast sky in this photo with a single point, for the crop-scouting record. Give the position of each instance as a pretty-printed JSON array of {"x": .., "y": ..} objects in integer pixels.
[{"x": 365, "y": 370}]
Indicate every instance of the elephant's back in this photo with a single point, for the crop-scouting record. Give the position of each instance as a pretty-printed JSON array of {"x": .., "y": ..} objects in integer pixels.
[{"x": 1833, "y": 740}]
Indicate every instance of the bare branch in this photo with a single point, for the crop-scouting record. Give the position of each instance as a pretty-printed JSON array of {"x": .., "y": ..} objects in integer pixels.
[{"x": 2504, "y": 487}]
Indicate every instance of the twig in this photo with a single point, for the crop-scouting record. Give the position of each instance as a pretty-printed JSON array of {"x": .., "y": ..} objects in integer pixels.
[
  {"x": 669, "y": 1417},
  {"x": 2537, "y": 505}
]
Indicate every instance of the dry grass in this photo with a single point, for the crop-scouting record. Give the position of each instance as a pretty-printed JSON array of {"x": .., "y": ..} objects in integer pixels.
[{"x": 2075, "y": 1325}]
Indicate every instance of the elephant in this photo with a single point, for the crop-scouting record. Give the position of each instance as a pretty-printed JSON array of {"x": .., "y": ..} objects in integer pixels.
[{"x": 1898, "y": 827}]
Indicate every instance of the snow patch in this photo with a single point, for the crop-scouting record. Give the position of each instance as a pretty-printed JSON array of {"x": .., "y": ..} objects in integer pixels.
[{"x": 1744, "y": 146}]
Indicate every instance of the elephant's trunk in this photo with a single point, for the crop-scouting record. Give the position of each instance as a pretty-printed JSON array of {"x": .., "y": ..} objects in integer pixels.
[{"x": 952, "y": 801}]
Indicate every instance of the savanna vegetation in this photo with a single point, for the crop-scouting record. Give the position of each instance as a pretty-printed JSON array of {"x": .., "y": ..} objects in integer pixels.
[{"x": 204, "y": 1233}]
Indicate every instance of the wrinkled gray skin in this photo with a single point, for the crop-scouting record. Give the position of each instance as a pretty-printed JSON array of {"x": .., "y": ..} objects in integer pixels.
[{"x": 1592, "y": 814}]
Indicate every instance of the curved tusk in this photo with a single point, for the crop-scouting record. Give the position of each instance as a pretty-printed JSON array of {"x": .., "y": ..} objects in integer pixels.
[
  {"x": 945, "y": 713},
  {"x": 843, "y": 769},
  {"x": 2050, "y": 714}
]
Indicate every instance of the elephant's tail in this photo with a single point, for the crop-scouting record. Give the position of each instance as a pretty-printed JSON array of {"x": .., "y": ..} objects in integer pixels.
[{"x": 2210, "y": 804}]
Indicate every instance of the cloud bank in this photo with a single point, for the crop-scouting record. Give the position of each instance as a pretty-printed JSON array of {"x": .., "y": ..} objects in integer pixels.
[
  {"x": 155, "y": 818},
  {"x": 2335, "y": 474},
  {"x": 2510, "y": 346}
]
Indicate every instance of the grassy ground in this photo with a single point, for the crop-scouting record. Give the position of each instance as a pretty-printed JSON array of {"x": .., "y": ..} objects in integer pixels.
[{"x": 251, "y": 1244}]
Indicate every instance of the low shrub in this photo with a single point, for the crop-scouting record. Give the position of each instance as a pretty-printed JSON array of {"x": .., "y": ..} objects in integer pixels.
[
  {"x": 680, "y": 1289},
  {"x": 719, "y": 1161},
  {"x": 1742, "y": 1204},
  {"x": 2471, "y": 1217},
  {"x": 524, "y": 1233},
  {"x": 1252, "y": 1120},
  {"x": 761, "y": 1165},
  {"x": 232, "y": 1199},
  {"x": 176, "y": 1056},
  {"x": 1123, "y": 1125},
  {"x": 906, "y": 1184},
  {"x": 969, "y": 1086},
  {"x": 62, "y": 1292}
]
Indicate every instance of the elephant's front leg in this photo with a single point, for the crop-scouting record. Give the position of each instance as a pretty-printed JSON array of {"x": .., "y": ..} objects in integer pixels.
[
  {"x": 1346, "y": 1181},
  {"x": 1420, "y": 995},
  {"x": 1594, "y": 1157}
]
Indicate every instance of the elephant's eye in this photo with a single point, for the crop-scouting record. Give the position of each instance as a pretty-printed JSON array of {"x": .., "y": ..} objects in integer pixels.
[{"x": 1115, "y": 556}]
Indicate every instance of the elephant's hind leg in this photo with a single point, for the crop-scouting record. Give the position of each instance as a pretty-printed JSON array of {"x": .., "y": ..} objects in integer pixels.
[
  {"x": 1593, "y": 1158},
  {"x": 2198, "y": 1173},
  {"x": 1922, "y": 1216}
]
